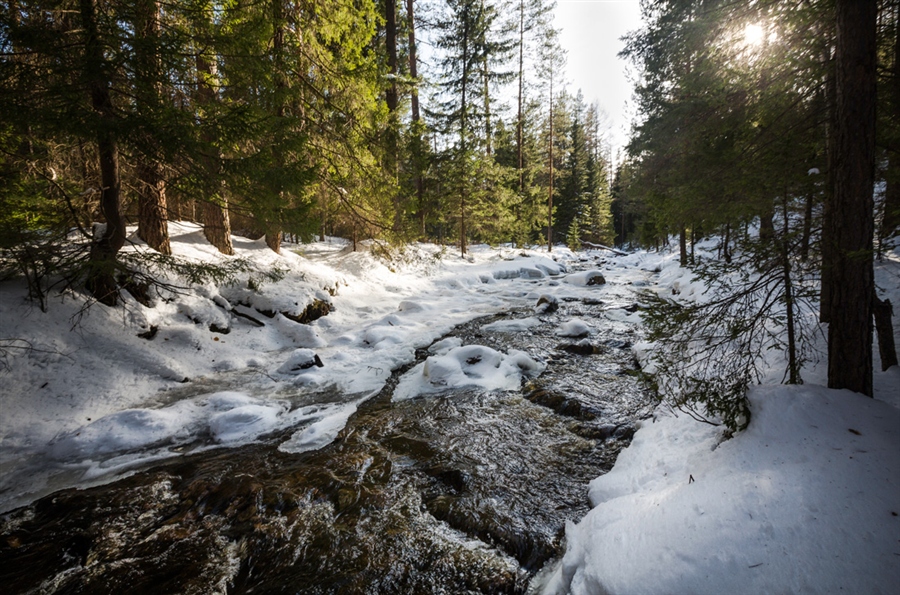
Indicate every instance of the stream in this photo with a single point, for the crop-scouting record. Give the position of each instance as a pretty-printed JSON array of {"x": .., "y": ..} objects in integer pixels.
[{"x": 466, "y": 491}]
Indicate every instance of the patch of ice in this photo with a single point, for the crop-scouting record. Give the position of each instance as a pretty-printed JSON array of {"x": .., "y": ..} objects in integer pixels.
[{"x": 511, "y": 326}]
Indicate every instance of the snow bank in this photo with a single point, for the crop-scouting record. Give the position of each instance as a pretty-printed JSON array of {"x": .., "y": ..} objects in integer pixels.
[{"x": 805, "y": 500}]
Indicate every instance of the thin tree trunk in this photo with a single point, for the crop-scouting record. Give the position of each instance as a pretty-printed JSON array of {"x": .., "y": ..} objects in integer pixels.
[
  {"x": 884, "y": 329},
  {"x": 550, "y": 151},
  {"x": 850, "y": 331},
  {"x": 807, "y": 227},
  {"x": 101, "y": 279},
  {"x": 519, "y": 116},
  {"x": 682, "y": 247},
  {"x": 793, "y": 366},
  {"x": 414, "y": 109},
  {"x": 273, "y": 228}
]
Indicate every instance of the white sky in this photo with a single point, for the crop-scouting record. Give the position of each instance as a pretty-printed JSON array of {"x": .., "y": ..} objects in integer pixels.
[{"x": 591, "y": 32}]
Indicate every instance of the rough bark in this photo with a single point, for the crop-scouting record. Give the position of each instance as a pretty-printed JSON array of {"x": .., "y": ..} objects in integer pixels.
[
  {"x": 828, "y": 218},
  {"x": 890, "y": 223},
  {"x": 101, "y": 277},
  {"x": 850, "y": 328},
  {"x": 214, "y": 210},
  {"x": 153, "y": 225}
]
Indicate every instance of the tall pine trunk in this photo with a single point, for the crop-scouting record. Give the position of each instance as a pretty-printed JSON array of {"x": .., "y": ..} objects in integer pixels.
[
  {"x": 213, "y": 210},
  {"x": 273, "y": 227},
  {"x": 101, "y": 277},
  {"x": 414, "y": 109},
  {"x": 850, "y": 328},
  {"x": 153, "y": 225}
]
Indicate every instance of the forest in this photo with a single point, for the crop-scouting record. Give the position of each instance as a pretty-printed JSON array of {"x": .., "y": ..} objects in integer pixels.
[
  {"x": 453, "y": 122},
  {"x": 355, "y": 296},
  {"x": 269, "y": 118}
]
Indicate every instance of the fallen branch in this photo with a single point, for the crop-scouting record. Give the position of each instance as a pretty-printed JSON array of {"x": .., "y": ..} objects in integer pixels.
[{"x": 602, "y": 247}]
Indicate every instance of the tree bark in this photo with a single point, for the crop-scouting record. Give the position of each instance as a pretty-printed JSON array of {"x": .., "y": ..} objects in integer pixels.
[
  {"x": 414, "y": 108},
  {"x": 885, "y": 331},
  {"x": 101, "y": 277},
  {"x": 153, "y": 225},
  {"x": 214, "y": 210},
  {"x": 890, "y": 223},
  {"x": 850, "y": 328}
]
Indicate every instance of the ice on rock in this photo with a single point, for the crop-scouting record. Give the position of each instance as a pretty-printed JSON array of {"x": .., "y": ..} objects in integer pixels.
[
  {"x": 586, "y": 278},
  {"x": 302, "y": 335},
  {"x": 546, "y": 304},
  {"x": 511, "y": 326},
  {"x": 300, "y": 361},
  {"x": 320, "y": 433},
  {"x": 471, "y": 365},
  {"x": 444, "y": 345},
  {"x": 244, "y": 422},
  {"x": 574, "y": 328}
]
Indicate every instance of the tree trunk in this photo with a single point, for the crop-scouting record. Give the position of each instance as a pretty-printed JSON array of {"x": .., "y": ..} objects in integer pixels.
[
  {"x": 214, "y": 210},
  {"x": 850, "y": 329},
  {"x": 519, "y": 116},
  {"x": 807, "y": 228},
  {"x": 550, "y": 151},
  {"x": 414, "y": 108},
  {"x": 885, "y": 331},
  {"x": 890, "y": 223},
  {"x": 153, "y": 215},
  {"x": 153, "y": 226},
  {"x": 828, "y": 218},
  {"x": 101, "y": 277},
  {"x": 793, "y": 365},
  {"x": 273, "y": 225},
  {"x": 682, "y": 247}
]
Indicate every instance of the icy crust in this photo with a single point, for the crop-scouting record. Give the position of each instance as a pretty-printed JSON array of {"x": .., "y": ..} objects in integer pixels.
[
  {"x": 467, "y": 366},
  {"x": 226, "y": 417},
  {"x": 805, "y": 500}
]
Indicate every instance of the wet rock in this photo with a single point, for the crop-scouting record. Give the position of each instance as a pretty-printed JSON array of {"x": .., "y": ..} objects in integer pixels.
[
  {"x": 618, "y": 344},
  {"x": 216, "y": 328},
  {"x": 546, "y": 304},
  {"x": 315, "y": 310},
  {"x": 150, "y": 334},
  {"x": 300, "y": 360},
  {"x": 580, "y": 348},
  {"x": 560, "y": 403}
]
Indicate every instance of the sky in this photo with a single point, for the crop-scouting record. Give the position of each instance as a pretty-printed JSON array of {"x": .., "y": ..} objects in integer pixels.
[{"x": 591, "y": 32}]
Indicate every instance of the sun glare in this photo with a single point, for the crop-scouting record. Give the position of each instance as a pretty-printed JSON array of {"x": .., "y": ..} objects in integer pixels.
[{"x": 754, "y": 34}]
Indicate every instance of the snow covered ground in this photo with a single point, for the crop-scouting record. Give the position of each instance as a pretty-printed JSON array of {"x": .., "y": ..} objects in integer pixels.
[
  {"x": 84, "y": 397},
  {"x": 806, "y": 500}
]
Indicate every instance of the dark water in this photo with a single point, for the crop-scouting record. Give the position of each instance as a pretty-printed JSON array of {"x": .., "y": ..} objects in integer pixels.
[{"x": 467, "y": 492}]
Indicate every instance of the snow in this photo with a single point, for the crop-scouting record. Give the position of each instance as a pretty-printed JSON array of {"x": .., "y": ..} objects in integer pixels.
[
  {"x": 805, "y": 500},
  {"x": 91, "y": 394},
  {"x": 574, "y": 328},
  {"x": 468, "y": 366}
]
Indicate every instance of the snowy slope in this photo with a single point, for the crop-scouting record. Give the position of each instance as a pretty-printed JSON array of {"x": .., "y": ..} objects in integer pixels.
[{"x": 806, "y": 500}]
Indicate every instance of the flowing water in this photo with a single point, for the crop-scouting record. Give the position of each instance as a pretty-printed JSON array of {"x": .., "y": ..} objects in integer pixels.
[{"x": 464, "y": 492}]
